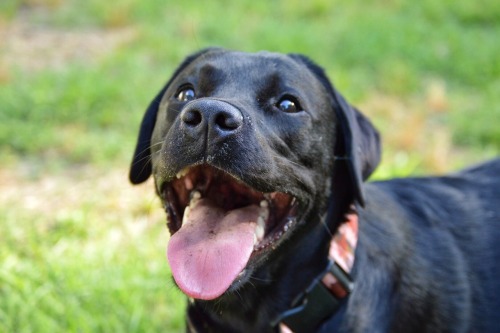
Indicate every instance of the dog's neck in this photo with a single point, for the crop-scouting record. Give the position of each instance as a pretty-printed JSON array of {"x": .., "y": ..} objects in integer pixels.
[{"x": 328, "y": 292}]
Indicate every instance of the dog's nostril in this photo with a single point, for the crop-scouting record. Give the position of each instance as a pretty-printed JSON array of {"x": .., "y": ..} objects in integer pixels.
[
  {"x": 216, "y": 117},
  {"x": 192, "y": 117},
  {"x": 228, "y": 121}
]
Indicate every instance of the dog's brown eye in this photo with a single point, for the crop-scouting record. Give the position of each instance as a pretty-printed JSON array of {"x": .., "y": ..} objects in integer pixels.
[
  {"x": 288, "y": 105},
  {"x": 186, "y": 94}
]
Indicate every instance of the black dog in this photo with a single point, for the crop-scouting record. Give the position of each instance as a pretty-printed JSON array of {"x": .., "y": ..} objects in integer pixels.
[{"x": 259, "y": 161}]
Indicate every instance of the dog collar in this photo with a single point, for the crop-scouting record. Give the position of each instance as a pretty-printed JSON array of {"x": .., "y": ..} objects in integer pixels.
[{"x": 329, "y": 291}]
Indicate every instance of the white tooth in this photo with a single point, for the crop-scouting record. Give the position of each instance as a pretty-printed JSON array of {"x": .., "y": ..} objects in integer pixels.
[
  {"x": 260, "y": 229},
  {"x": 185, "y": 218},
  {"x": 261, "y": 222},
  {"x": 255, "y": 239},
  {"x": 264, "y": 204},
  {"x": 195, "y": 198},
  {"x": 182, "y": 173},
  {"x": 195, "y": 195},
  {"x": 264, "y": 213}
]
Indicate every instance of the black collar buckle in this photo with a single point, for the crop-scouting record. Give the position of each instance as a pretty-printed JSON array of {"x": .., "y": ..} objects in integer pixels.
[{"x": 317, "y": 303}]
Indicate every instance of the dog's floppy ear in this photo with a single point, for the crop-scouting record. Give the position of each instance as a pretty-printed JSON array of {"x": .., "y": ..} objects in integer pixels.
[
  {"x": 141, "y": 167},
  {"x": 357, "y": 141}
]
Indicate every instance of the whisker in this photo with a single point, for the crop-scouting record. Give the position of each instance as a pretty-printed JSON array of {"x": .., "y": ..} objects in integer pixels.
[
  {"x": 143, "y": 151},
  {"x": 260, "y": 280}
]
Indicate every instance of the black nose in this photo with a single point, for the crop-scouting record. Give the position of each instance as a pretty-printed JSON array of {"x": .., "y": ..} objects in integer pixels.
[{"x": 214, "y": 118}]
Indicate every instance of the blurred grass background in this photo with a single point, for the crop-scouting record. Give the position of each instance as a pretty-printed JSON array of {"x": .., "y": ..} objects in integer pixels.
[{"x": 83, "y": 251}]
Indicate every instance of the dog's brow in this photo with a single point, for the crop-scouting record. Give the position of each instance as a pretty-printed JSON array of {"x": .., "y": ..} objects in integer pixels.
[
  {"x": 271, "y": 86},
  {"x": 209, "y": 77}
]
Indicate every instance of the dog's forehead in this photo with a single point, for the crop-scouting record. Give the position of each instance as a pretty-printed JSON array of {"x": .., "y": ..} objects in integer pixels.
[
  {"x": 250, "y": 66},
  {"x": 242, "y": 60}
]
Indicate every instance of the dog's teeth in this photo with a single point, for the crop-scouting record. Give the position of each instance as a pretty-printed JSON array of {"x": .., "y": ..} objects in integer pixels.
[
  {"x": 188, "y": 183},
  {"x": 195, "y": 195},
  {"x": 261, "y": 222},
  {"x": 185, "y": 218},
  {"x": 260, "y": 230},
  {"x": 264, "y": 212},
  {"x": 255, "y": 239},
  {"x": 182, "y": 173},
  {"x": 195, "y": 198}
]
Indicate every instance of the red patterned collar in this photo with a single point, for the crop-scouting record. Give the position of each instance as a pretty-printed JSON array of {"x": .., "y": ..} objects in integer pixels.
[
  {"x": 342, "y": 247},
  {"x": 325, "y": 295}
]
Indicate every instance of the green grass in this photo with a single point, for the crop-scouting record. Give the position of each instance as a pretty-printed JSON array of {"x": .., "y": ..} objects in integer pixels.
[
  {"x": 78, "y": 287},
  {"x": 83, "y": 251}
]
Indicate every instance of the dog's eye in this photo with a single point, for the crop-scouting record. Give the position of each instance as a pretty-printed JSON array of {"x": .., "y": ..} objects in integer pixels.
[
  {"x": 289, "y": 105},
  {"x": 185, "y": 94}
]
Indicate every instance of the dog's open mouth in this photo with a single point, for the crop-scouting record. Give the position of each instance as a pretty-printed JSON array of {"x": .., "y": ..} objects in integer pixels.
[{"x": 218, "y": 224}]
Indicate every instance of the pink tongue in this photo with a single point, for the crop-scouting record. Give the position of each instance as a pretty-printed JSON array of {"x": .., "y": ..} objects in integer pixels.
[{"x": 211, "y": 248}]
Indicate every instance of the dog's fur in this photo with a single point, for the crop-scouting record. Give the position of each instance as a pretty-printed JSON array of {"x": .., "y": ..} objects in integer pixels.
[{"x": 428, "y": 258}]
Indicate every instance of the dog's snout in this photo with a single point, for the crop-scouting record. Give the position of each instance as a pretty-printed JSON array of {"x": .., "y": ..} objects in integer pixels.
[{"x": 215, "y": 118}]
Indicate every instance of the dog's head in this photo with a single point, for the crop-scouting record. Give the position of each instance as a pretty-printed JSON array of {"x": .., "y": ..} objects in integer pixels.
[{"x": 245, "y": 150}]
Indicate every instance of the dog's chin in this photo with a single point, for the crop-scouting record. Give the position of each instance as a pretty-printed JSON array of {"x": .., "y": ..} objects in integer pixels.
[{"x": 222, "y": 229}]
